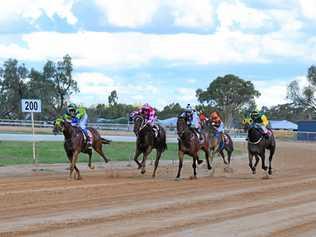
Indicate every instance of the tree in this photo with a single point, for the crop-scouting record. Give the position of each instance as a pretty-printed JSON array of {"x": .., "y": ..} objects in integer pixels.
[
  {"x": 304, "y": 97},
  {"x": 230, "y": 94},
  {"x": 171, "y": 110},
  {"x": 112, "y": 99},
  {"x": 12, "y": 88},
  {"x": 61, "y": 75},
  {"x": 39, "y": 87}
]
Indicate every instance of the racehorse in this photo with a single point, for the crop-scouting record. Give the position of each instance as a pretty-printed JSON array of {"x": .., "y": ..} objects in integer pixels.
[
  {"x": 220, "y": 144},
  {"x": 190, "y": 144},
  {"x": 146, "y": 141},
  {"x": 75, "y": 143},
  {"x": 257, "y": 145}
]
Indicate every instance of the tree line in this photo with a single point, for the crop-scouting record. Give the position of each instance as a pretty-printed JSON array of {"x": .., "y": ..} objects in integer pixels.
[{"x": 232, "y": 96}]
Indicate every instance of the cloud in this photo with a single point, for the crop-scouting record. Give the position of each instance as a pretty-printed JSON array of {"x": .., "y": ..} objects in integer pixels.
[
  {"x": 98, "y": 49},
  {"x": 34, "y": 9},
  {"x": 188, "y": 13},
  {"x": 138, "y": 13},
  {"x": 132, "y": 13},
  {"x": 308, "y": 8}
]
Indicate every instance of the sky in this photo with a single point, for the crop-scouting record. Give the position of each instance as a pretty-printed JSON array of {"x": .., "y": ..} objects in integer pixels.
[{"x": 161, "y": 51}]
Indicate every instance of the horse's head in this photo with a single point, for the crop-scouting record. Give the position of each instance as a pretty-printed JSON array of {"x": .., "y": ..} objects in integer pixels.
[
  {"x": 181, "y": 125},
  {"x": 59, "y": 125},
  {"x": 139, "y": 123}
]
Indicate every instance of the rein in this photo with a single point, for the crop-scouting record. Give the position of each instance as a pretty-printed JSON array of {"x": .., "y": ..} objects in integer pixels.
[{"x": 257, "y": 142}]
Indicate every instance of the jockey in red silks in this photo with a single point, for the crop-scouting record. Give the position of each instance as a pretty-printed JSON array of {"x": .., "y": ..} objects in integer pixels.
[{"x": 149, "y": 115}]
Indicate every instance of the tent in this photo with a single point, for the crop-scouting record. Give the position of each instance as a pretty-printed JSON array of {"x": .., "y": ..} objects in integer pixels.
[{"x": 283, "y": 125}]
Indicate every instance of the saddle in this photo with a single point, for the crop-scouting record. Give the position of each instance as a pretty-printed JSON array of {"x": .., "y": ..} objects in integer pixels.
[
  {"x": 85, "y": 138},
  {"x": 156, "y": 130}
]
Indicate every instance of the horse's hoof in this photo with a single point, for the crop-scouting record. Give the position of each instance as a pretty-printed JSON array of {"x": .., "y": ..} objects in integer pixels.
[
  {"x": 153, "y": 176},
  {"x": 200, "y": 162},
  {"x": 193, "y": 177},
  {"x": 270, "y": 172},
  {"x": 79, "y": 178},
  {"x": 178, "y": 179},
  {"x": 209, "y": 167},
  {"x": 92, "y": 167},
  {"x": 143, "y": 171}
]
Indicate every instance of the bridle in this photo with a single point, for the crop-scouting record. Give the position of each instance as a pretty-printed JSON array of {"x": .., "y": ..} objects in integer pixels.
[{"x": 142, "y": 123}]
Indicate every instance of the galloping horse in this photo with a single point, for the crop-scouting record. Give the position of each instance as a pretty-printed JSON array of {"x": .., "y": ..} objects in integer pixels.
[
  {"x": 146, "y": 141},
  {"x": 190, "y": 144},
  {"x": 75, "y": 143},
  {"x": 218, "y": 147},
  {"x": 257, "y": 145}
]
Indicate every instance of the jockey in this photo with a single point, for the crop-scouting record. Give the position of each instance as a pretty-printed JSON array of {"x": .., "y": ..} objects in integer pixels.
[
  {"x": 203, "y": 117},
  {"x": 150, "y": 116},
  {"x": 218, "y": 124},
  {"x": 79, "y": 117},
  {"x": 193, "y": 119},
  {"x": 261, "y": 120}
]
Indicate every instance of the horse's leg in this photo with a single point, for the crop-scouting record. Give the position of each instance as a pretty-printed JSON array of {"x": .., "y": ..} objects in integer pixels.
[
  {"x": 207, "y": 158},
  {"x": 98, "y": 149},
  {"x": 256, "y": 163},
  {"x": 78, "y": 173},
  {"x": 272, "y": 150},
  {"x": 181, "y": 155},
  {"x": 250, "y": 156},
  {"x": 137, "y": 153},
  {"x": 158, "y": 155},
  {"x": 145, "y": 155},
  {"x": 223, "y": 156},
  {"x": 73, "y": 163},
  {"x": 90, "y": 156},
  {"x": 263, "y": 161},
  {"x": 195, "y": 159},
  {"x": 75, "y": 167}
]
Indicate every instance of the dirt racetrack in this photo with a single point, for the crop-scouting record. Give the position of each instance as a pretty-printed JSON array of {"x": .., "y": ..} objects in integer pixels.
[{"x": 115, "y": 200}]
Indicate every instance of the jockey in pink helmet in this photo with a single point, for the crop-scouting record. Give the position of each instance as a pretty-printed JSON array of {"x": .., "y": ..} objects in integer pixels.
[{"x": 149, "y": 115}]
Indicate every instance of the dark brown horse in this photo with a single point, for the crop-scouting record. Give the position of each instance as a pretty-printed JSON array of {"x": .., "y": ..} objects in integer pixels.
[
  {"x": 190, "y": 144},
  {"x": 75, "y": 143},
  {"x": 146, "y": 141},
  {"x": 258, "y": 143},
  {"x": 220, "y": 143}
]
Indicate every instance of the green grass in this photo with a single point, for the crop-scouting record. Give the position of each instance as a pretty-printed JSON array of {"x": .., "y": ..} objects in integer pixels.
[{"x": 12, "y": 153}]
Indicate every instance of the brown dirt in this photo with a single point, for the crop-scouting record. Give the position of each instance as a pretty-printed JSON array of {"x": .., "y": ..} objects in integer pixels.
[{"x": 118, "y": 201}]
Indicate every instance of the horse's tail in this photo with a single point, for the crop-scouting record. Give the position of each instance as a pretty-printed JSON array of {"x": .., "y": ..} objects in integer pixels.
[{"x": 105, "y": 141}]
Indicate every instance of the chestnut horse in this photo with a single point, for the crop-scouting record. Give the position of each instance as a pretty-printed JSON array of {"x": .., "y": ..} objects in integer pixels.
[
  {"x": 190, "y": 144},
  {"x": 75, "y": 143},
  {"x": 218, "y": 145},
  {"x": 146, "y": 141}
]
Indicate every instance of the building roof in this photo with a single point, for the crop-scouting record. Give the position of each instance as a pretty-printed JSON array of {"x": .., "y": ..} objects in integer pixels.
[{"x": 283, "y": 124}]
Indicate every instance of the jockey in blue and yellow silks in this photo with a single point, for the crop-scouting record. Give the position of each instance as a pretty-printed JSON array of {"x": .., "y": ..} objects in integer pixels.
[
  {"x": 79, "y": 117},
  {"x": 260, "y": 119}
]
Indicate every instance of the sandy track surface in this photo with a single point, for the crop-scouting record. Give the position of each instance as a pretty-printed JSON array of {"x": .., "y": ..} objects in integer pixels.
[{"x": 116, "y": 200}]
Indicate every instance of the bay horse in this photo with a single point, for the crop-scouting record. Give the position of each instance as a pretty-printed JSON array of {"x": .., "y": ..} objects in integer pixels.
[
  {"x": 146, "y": 142},
  {"x": 190, "y": 144},
  {"x": 257, "y": 145},
  {"x": 75, "y": 143},
  {"x": 217, "y": 147}
]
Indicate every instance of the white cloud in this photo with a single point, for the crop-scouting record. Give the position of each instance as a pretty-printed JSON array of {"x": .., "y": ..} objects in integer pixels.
[
  {"x": 238, "y": 15},
  {"x": 131, "y": 13},
  {"x": 137, "y": 13},
  {"x": 308, "y": 8},
  {"x": 96, "y": 49},
  {"x": 188, "y": 13},
  {"x": 95, "y": 88},
  {"x": 34, "y": 9}
]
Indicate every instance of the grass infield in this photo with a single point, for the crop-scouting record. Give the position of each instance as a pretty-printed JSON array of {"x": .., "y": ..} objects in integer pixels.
[{"x": 12, "y": 153}]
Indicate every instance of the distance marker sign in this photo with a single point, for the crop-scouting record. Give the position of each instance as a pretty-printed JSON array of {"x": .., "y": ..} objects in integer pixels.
[{"x": 30, "y": 105}]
